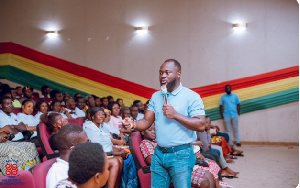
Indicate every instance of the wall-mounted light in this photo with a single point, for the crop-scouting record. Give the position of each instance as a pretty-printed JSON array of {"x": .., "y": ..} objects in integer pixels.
[
  {"x": 52, "y": 33},
  {"x": 141, "y": 29},
  {"x": 239, "y": 27}
]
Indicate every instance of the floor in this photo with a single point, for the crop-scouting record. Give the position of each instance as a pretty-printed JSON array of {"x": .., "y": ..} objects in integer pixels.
[{"x": 266, "y": 167}]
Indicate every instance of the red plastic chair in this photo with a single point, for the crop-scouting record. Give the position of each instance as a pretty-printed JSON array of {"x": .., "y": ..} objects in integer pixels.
[
  {"x": 23, "y": 180},
  {"x": 80, "y": 121},
  {"x": 43, "y": 137},
  {"x": 143, "y": 169},
  {"x": 72, "y": 121},
  {"x": 16, "y": 110},
  {"x": 40, "y": 172}
]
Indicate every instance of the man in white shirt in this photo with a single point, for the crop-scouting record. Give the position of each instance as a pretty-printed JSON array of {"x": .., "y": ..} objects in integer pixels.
[
  {"x": 71, "y": 107},
  {"x": 10, "y": 120},
  {"x": 67, "y": 138},
  {"x": 80, "y": 107}
]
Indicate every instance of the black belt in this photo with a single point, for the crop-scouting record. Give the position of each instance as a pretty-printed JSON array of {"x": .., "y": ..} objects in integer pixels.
[{"x": 173, "y": 149}]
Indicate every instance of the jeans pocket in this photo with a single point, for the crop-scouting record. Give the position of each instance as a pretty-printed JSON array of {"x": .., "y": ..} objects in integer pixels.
[{"x": 182, "y": 154}]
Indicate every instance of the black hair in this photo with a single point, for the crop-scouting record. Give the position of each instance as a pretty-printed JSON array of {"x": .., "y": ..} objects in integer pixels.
[
  {"x": 94, "y": 110},
  {"x": 38, "y": 105},
  {"x": 43, "y": 88},
  {"x": 49, "y": 120},
  {"x": 86, "y": 160},
  {"x": 53, "y": 93},
  {"x": 77, "y": 98},
  {"x": 109, "y": 97},
  {"x": 111, "y": 104},
  {"x": 227, "y": 85},
  {"x": 136, "y": 102},
  {"x": 67, "y": 136},
  {"x": 54, "y": 101},
  {"x": 176, "y": 63},
  {"x": 103, "y": 98},
  {"x": 3, "y": 98},
  {"x": 26, "y": 101},
  {"x": 27, "y": 87}
]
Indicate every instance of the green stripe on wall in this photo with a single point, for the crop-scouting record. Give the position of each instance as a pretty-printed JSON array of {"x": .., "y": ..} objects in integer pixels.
[
  {"x": 24, "y": 78},
  {"x": 261, "y": 103}
]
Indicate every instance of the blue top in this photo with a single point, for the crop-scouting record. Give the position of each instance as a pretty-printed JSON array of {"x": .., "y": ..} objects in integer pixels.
[
  {"x": 169, "y": 132},
  {"x": 230, "y": 103}
]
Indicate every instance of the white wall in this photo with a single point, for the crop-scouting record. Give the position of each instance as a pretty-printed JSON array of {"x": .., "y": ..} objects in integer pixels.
[{"x": 100, "y": 34}]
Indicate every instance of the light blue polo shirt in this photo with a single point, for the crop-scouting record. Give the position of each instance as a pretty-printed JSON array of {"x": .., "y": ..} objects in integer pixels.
[
  {"x": 230, "y": 102},
  {"x": 169, "y": 132}
]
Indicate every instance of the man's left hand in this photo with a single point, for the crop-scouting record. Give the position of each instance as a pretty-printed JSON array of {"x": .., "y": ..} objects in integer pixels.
[{"x": 169, "y": 111}]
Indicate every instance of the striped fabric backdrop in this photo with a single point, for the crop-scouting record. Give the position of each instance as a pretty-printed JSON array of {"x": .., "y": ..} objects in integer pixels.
[{"x": 25, "y": 66}]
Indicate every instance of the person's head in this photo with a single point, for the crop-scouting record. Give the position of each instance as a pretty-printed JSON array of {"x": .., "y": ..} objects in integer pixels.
[
  {"x": 208, "y": 123},
  {"x": 149, "y": 134},
  {"x": 125, "y": 113},
  {"x": 27, "y": 106},
  {"x": 6, "y": 105},
  {"x": 70, "y": 103},
  {"x": 41, "y": 106},
  {"x": 90, "y": 101},
  {"x": 19, "y": 91},
  {"x": 68, "y": 137},
  {"x": 8, "y": 94},
  {"x": 80, "y": 102},
  {"x": 134, "y": 111},
  {"x": 97, "y": 102},
  {"x": 115, "y": 108},
  {"x": 110, "y": 99},
  {"x": 169, "y": 74},
  {"x": 88, "y": 165},
  {"x": 45, "y": 90},
  {"x": 53, "y": 121},
  {"x": 59, "y": 96},
  {"x": 120, "y": 101},
  {"x": 28, "y": 91},
  {"x": 97, "y": 115},
  {"x": 107, "y": 113},
  {"x": 140, "y": 105},
  {"x": 104, "y": 102},
  {"x": 56, "y": 106},
  {"x": 228, "y": 89},
  {"x": 77, "y": 95}
]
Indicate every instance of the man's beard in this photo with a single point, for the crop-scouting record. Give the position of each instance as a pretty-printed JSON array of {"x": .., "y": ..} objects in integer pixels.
[{"x": 171, "y": 84}]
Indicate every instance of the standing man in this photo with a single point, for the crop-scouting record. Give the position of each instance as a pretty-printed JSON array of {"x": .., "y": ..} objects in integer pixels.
[
  {"x": 176, "y": 123},
  {"x": 231, "y": 103}
]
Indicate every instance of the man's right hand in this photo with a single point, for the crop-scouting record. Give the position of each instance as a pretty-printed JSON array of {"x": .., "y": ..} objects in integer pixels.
[{"x": 21, "y": 127}]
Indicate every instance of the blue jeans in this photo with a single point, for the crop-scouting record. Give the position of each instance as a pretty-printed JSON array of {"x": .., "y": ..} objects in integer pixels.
[
  {"x": 175, "y": 166},
  {"x": 235, "y": 123}
]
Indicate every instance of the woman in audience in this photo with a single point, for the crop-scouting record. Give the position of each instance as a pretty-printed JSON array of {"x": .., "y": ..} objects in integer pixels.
[
  {"x": 115, "y": 119},
  {"x": 88, "y": 167},
  {"x": 28, "y": 94},
  {"x": 56, "y": 107},
  {"x": 201, "y": 176},
  {"x": 40, "y": 108},
  {"x": 45, "y": 91},
  {"x": 100, "y": 132}
]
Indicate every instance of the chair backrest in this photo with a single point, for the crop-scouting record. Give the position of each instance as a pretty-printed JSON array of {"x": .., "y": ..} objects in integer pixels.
[
  {"x": 72, "y": 121},
  {"x": 134, "y": 145},
  {"x": 43, "y": 137},
  {"x": 80, "y": 121},
  {"x": 24, "y": 180},
  {"x": 16, "y": 110},
  {"x": 40, "y": 172}
]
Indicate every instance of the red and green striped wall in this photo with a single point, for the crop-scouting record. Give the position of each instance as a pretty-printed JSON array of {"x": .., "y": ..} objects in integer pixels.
[{"x": 26, "y": 66}]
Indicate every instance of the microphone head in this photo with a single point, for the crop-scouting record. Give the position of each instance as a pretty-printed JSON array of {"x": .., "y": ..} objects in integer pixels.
[{"x": 163, "y": 89}]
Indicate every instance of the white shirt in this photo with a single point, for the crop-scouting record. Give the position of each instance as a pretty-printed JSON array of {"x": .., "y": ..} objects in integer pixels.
[
  {"x": 100, "y": 135},
  {"x": 38, "y": 116},
  {"x": 139, "y": 116},
  {"x": 73, "y": 115},
  {"x": 10, "y": 120},
  {"x": 79, "y": 113},
  {"x": 30, "y": 120},
  {"x": 57, "y": 172},
  {"x": 62, "y": 114}
]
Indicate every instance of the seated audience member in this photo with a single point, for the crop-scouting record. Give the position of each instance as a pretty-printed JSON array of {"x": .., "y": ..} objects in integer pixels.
[
  {"x": 134, "y": 112},
  {"x": 45, "y": 91},
  {"x": 201, "y": 176},
  {"x": 90, "y": 102},
  {"x": 88, "y": 167},
  {"x": 15, "y": 102},
  {"x": 80, "y": 107},
  {"x": 107, "y": 115},
  {"x": 40, "y": 108},
  {"x": 28, "y": 119},
  {"x": 125, "y": 113},
  {"x": 67, "y": 95},
  {"x": 58, "y": 96},
  {"x": 10, "y": 120},
  {"x": 140, "y": 106},
  {"x": 115, "y": 119},
  {"x": 100, "y": 132},
  {"x": 56, "y": 107},
  {"x": 104, "y": 102},
  {"x": 19, "y": 92},
  {"x": 97, "y": 101},
  {"x": 71, "y": 107},
  {"x": 146, "y": 105},
  {"x": 28, "y": 94},
  {"x": 110, "y": 99},
  {"x": 206, "y": 148},
  {"x": 68, "y": 137},
  {"x": 77, "y": 95},
  {"x": 120, "y": 102}
]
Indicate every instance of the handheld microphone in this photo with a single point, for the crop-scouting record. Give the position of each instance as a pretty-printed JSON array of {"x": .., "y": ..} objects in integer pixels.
[{"x": 164, "y": 91}]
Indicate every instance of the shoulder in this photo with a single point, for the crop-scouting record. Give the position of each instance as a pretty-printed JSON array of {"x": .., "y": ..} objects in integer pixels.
[{"x": 189, "y": 92}]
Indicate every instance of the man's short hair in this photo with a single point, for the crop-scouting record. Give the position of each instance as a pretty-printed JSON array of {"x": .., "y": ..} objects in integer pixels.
[
  {"x": 68, "y": 136},
  {"x": 227, "y": 85},
  {"x": 94, "y": 110},
  {"x": 86, "y": 160},
  {"x": 3, "y": 98},
  {"x": 176, "y": 63}
]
